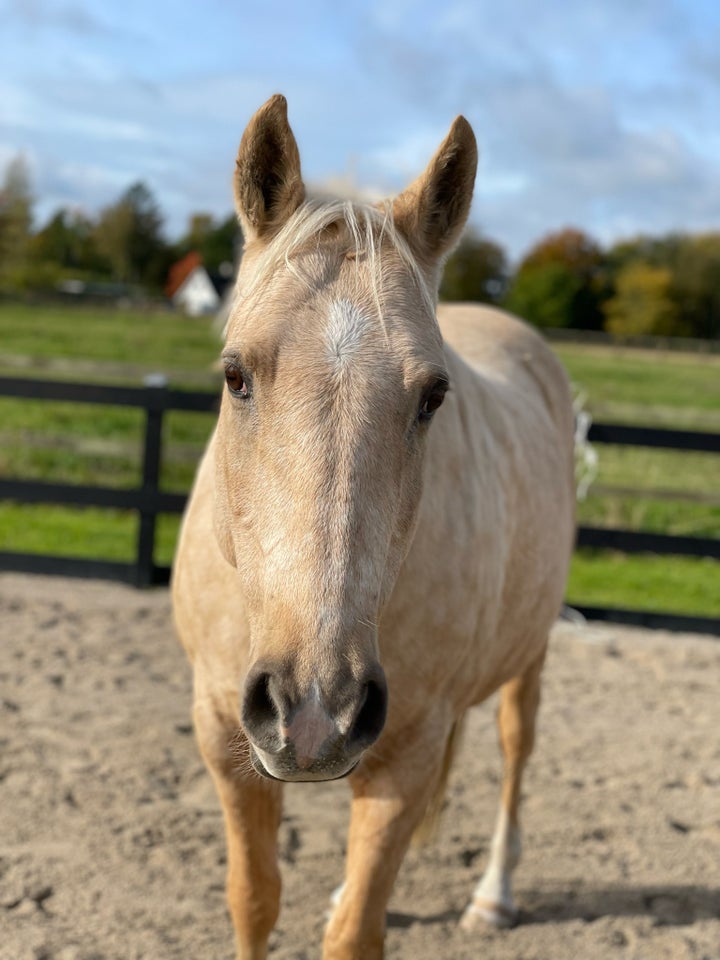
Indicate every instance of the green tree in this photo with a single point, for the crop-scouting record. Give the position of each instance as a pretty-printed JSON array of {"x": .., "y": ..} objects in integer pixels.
[
  {"x": 696, "y": 284},
  {"x": 223, "y": 243},
  {"x": 217, "y": 243},
  {"x": 567, "y": 266},
  {"x": 693, "y": 262},
  {"x": 476, "y": 270},
  {"x": 544, "y": 294},
  {"x": 16, "y": 215},
  {"x": 113, "y": 237},
  {"x": 570, "y": 246},
  {"x": 200, "y": 225},
  {"x": 67, "y": 240},
  {"x": 642, "y": 304},
  {"x": 130, "y": 234}
]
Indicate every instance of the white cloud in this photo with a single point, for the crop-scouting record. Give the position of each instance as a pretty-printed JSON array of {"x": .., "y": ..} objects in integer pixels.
[
  {"x": 601, "y": 115},
  {"x": 42, "y": 14}
]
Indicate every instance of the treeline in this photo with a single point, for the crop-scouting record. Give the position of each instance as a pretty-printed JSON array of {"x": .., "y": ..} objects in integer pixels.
[
  {"x": 665, "y": 286},
  {"x": 125, "y": 244},
  {"x": 647, "y": 286}
]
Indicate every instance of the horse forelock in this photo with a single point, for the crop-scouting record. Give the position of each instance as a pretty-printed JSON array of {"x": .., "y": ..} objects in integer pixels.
[{"x": 364, "y": 232}]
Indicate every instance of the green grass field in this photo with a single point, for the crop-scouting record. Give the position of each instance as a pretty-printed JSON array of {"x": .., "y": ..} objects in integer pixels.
[
  {"x": 45, "y": 338},
  {"x": 658, "y": 388},
  {"x": 654, "y": 490}
]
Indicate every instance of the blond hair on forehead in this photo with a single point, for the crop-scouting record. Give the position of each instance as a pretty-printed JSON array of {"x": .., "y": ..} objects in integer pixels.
[{"x": 370, "y": 228}]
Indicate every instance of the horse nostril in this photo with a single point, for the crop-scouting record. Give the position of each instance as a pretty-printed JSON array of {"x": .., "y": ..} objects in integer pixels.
[
  {"x": 371, "y": 716},
  {"x": 259, "y": 712}
]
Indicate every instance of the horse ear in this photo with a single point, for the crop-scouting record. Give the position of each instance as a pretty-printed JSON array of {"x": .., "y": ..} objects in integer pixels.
[
  {"x": 432, "y": 211},
  {"x": 268, "y": 186}
]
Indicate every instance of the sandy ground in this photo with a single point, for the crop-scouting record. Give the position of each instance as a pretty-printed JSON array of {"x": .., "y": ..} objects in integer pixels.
[{"x": 111, "y": 841}]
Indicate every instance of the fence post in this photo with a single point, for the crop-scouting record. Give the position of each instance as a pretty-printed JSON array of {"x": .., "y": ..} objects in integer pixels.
[{"x": 152, "y": 455}]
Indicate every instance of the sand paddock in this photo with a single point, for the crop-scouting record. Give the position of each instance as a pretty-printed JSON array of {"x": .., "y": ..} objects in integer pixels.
[{"x": 111, "y": 840}]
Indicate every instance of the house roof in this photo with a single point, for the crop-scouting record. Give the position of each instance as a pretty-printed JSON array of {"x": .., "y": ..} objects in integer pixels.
[{"x": 180, "y": 271}]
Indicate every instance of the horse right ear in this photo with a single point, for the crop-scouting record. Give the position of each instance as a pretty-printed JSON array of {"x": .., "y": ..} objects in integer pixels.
[{"x": 268, "y": 186}]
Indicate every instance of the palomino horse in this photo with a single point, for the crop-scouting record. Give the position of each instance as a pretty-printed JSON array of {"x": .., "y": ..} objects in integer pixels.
[{"x": 379, "y": 532}]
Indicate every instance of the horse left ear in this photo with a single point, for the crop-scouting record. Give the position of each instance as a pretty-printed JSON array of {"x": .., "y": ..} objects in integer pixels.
[
  {"x": 268, "y": 184},
  {"x": 432, "y": 211}
]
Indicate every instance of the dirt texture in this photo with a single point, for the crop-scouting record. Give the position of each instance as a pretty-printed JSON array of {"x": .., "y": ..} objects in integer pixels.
[{"x": 111, "y": 838}]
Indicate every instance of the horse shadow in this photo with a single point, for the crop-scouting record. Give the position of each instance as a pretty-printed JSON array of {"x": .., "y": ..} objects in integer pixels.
[{"x": 666, "y": 905}]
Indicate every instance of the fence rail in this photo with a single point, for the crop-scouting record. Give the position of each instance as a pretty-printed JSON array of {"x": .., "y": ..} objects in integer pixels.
[
  {"x": 149, "y": 500},
  {"x": 155, "y": 398}
]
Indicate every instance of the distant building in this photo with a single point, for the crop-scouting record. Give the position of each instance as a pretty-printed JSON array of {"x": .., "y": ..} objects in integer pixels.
[{"x": 192, "y": 289}]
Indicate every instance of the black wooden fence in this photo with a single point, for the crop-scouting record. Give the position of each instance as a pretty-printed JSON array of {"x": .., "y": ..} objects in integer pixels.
[
  {"x": 149, "y": 500},
  {"x": 635, "y": 541}
]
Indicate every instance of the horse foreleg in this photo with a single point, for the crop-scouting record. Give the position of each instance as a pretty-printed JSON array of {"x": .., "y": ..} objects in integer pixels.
[
  {"x": 493, "y": 899},
  {"x": 251, "y": 810},
  {"x": 390, "y": 797}
]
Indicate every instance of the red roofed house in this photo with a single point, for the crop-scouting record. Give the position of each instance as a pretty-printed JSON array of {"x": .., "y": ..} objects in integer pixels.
[{"x": 190, "y": 288}]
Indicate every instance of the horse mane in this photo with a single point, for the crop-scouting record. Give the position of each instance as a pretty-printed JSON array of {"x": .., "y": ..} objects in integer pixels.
[{"x": 370, "y": 229}]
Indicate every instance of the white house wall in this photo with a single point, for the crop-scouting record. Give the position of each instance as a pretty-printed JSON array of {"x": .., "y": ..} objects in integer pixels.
[{"x": 197, "y": 295}]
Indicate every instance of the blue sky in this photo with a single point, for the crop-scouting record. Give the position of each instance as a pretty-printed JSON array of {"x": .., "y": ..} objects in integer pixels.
[{"x": 602, "y": 115}]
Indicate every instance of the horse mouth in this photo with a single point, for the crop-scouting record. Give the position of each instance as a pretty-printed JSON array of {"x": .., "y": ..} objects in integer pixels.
[{"x": 286, "y": 772}]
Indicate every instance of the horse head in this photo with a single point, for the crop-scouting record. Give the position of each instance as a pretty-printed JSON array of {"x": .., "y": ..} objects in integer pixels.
[{"x": 335, "y": 369}]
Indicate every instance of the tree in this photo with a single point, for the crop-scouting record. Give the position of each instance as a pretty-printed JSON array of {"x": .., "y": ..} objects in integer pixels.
[
  {"x": 113, "y": 237},
  {"x": 569, "y": 246},
  {"x": 693, "y": 263},
  {"x": 569, "y": 267},
  {"x": 217, "y": 243},
  {"x": 696, "y": 284},
  {"x": 200, "y": 225},
  {"x": 67, "y": 241},
  {"x": 16, "y": 203},
  {"x": 149, "y": 253},
  {"x": 642, "y": 304},
  {"x": 544, "y": 294},
  {"x": 129, "y": 233},
  {"x": 223, "y": 244},
  {"x": 476, "y": 270}
]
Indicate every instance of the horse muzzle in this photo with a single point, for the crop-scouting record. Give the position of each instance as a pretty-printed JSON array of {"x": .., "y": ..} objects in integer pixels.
[{"x": 319, "y": 735}]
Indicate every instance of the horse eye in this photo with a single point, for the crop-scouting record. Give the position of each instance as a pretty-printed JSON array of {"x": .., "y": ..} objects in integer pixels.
[
  {"x": 237, "y": 384},
  {"x": 432, "y": 399}
]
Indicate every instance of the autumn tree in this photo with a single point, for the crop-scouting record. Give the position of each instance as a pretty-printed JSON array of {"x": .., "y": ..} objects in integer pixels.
[
  {"x": 693, "y": 263},
  {"x": 476, "y": 270},
  {"x": 560, "y": 282},
  {"x": 571, "y": 247},
  {"x": 642, "y": 304}
]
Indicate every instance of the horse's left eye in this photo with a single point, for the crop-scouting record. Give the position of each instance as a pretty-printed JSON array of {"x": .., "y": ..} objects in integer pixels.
[
  {"x": 431, "y": 400},
  {"x": 236, "y": 381}
]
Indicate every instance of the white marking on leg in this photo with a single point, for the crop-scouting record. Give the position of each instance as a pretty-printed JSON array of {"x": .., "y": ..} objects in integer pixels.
[
  {"x": 346, "y": 329},
  {"x": 336, "y": 895},
  {"x": 492, "y": 900},
  {"x": 335, "y": 898}
]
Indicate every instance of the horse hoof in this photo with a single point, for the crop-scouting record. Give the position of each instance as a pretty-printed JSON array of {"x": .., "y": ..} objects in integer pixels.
[{"x": 485, "y": 912}]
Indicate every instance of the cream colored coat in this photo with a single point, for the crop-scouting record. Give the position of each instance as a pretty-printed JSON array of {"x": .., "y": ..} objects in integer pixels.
[{"x": 450, "y": 575}]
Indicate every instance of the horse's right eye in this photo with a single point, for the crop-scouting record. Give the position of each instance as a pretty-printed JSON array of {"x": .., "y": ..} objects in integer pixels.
[
  {"x": 432, "y": 399},
  {"x": 235, "y": 379}
]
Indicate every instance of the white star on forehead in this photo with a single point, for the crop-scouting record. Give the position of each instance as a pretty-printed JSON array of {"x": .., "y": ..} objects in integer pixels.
[{"x": 346, "y": 329}]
